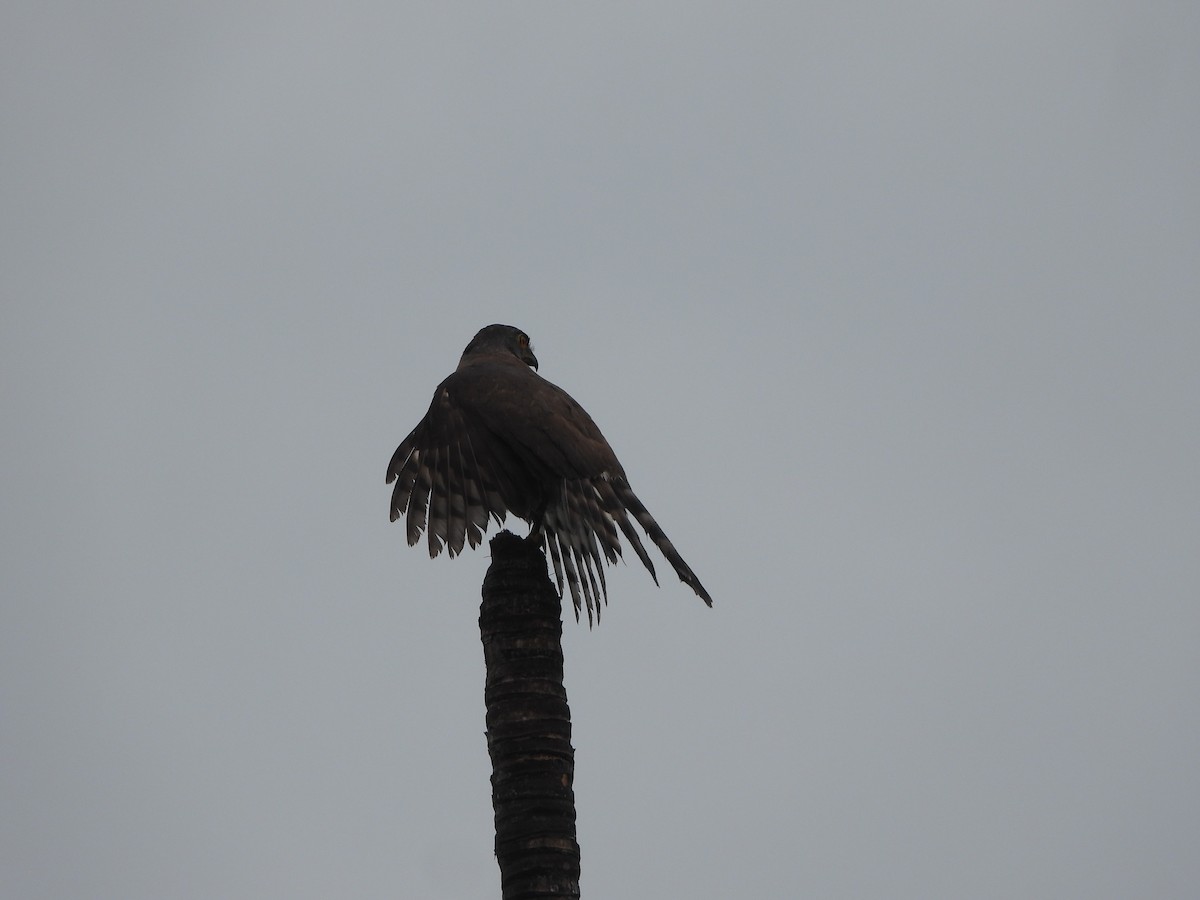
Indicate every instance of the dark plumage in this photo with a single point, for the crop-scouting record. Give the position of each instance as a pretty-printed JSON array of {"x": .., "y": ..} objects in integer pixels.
[{"x": 499, "y": 438}]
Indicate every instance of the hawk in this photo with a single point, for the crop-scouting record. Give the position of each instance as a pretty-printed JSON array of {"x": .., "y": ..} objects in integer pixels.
[{"x": 497, "y": 439}]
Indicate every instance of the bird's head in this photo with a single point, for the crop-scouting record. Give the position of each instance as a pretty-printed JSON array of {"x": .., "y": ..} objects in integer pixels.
[{"x": 503, "y": 339}]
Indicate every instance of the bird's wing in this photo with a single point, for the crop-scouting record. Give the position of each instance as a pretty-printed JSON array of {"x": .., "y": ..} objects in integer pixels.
[{"x": 450, "y": 475}]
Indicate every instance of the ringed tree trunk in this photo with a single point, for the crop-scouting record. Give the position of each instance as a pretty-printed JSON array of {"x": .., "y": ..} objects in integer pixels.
[{"x": 528, "y": 725}]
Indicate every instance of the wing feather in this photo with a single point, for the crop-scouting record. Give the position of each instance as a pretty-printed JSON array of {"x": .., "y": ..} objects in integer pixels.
[
  {"x": 456, "y": 488},
  {"x": 418, "y": 502},
  {"x": 616, "y": 509},
  {"x": 630, "y": 501},
  {"x": 550, "y": 539},
  {"x": 402, "y": 470},
  {"x": 439, "y": 501}
]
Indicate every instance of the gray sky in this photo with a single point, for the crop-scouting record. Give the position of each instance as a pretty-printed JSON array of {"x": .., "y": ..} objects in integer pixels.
[{"x": 891, "y": 312}]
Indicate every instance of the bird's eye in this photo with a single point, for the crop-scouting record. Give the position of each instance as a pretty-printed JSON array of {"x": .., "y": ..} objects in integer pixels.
[{"x": 523, "y": 340}]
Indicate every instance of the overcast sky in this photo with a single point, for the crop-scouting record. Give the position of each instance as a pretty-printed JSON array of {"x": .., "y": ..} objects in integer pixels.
[{"x": 891, "y": 311}]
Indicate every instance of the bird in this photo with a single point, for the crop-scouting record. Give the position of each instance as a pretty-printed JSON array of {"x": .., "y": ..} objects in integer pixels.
[{"x": 499, "y": 438}]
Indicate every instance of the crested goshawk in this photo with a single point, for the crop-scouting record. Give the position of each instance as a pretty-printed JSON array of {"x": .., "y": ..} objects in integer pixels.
[{"x": 498, "y": 438}]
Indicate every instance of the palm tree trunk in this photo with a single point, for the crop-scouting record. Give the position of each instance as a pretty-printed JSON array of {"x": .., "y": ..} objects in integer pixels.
[{"x": 528, "y": 725}]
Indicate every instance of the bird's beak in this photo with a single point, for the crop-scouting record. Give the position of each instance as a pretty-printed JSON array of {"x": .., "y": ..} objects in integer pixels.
[{"x": 529, "y": 359}]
